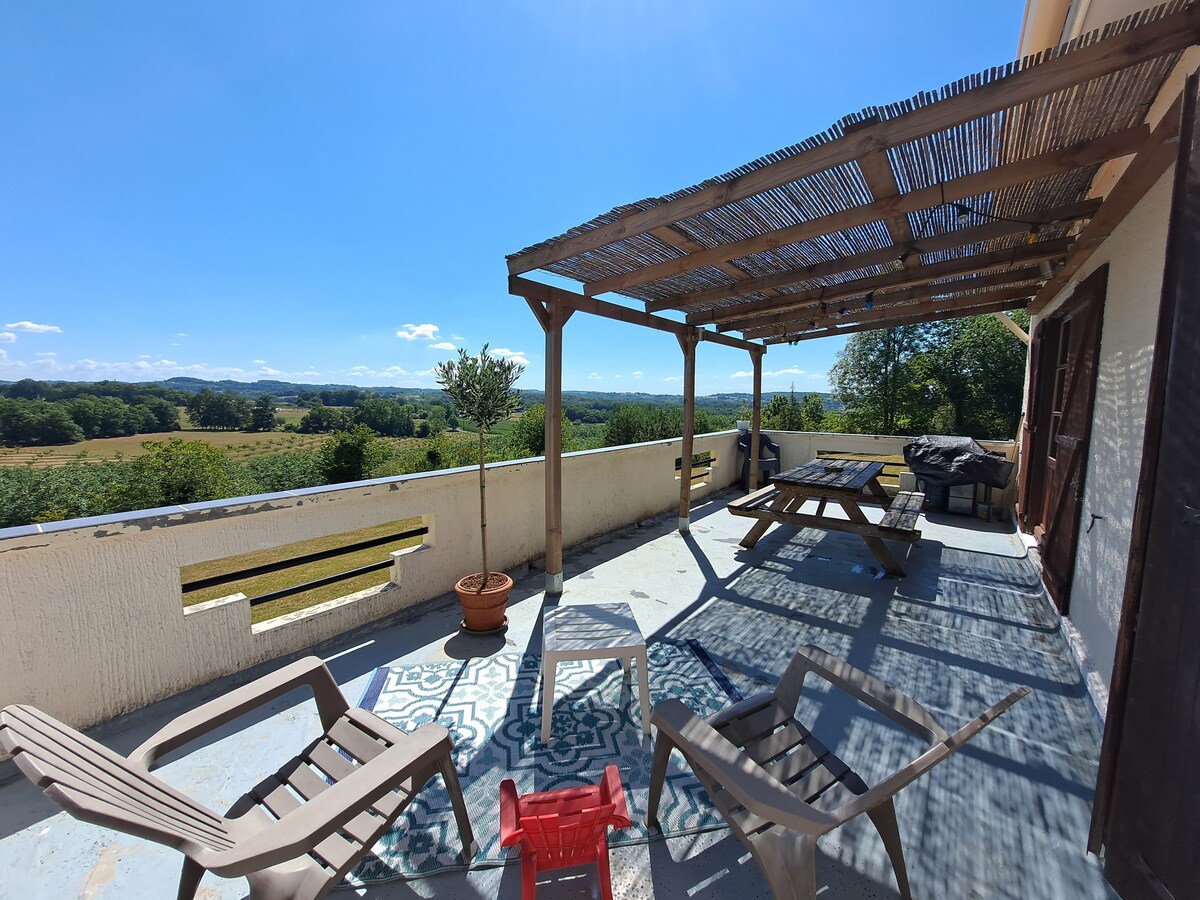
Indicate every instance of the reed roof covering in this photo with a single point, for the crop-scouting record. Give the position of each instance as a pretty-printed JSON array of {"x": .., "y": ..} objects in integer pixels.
[{"x": 963, "y": 199}]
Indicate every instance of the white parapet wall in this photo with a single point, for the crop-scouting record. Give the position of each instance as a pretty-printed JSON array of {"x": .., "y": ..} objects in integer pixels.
[{"x": 92, "y": 621}]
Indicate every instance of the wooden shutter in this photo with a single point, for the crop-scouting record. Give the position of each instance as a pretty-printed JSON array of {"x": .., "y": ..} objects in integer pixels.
[{"x": 1068, "y": 420}]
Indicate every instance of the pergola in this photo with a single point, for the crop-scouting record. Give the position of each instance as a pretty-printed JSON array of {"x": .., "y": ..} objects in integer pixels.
[{"x": 980, "y": 198}]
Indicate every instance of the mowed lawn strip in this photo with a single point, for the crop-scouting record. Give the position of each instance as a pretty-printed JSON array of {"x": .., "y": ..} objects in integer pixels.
[{"x": 274, "y": 581}]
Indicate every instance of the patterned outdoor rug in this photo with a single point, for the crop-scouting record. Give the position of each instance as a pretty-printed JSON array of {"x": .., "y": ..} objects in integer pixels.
[{"x": 492, "y": 707}]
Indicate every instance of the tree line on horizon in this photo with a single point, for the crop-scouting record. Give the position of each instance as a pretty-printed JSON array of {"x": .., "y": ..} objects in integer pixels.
[{"x": 959, "y": 377}]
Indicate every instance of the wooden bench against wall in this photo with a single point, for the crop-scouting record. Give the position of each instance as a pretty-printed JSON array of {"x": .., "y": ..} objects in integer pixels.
[{"x": 893, "y": 465}]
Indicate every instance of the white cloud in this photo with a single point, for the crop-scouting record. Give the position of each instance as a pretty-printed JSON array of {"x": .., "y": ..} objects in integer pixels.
[
  {"x": 176, "y": 344},
  {"x": 46, "y": 353},
  {"x": 616, "y": 376},
  {"x": 133, "y": 370},
  {"x": 368, "y": 372},
  {"x": 181, "y": 334},
  {"x": 145, "y": 356},
  {"x": 517, "y": 356},
  {"x": 3, "y": 354},
  {"x": 637, "y": 374},
  {"x": 792, "y": 370},
  {"x": 673, "y": 378},
  {"x": 33, "y": 327},
  {"x": 267, "y": 370},
  {"x": 7, "y": 337},
  {"x": 594, "y": 376},
  {"x": 457, "y": 337},
  {"x": 505, "y": 353},
  {"x": 411, "y": 332},
  {"x": 444, "y": 345},
  {"x": 259, "y": 362}
]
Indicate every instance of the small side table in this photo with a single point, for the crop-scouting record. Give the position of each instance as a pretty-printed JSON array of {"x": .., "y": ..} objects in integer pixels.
[{"x": 593, "y": 631}]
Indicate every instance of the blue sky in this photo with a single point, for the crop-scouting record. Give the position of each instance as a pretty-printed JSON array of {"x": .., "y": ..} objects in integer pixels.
[{"x": 326, "y": 192}]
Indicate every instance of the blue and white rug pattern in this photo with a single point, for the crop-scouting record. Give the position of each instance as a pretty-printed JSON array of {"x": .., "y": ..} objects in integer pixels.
[{"x": 492, "y": 708}]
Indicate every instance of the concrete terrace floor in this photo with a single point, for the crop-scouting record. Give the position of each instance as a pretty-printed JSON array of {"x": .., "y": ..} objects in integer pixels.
[{"x": 1005, "y": 817}]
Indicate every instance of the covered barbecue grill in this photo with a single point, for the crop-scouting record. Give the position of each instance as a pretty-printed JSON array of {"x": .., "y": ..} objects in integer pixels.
[{"x": 942, "y": 462}]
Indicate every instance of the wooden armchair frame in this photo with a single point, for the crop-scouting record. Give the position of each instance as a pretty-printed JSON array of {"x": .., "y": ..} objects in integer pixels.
[
  {"x": 779, "y": 788},
  {"x": 295, "y": 834}
]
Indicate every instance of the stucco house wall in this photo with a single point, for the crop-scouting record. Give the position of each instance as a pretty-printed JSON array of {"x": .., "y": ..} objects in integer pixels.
[{"x": 1135, "y": 253}]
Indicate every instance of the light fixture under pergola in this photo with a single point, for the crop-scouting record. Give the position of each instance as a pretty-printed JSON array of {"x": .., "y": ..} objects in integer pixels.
[{"x": 979, "y": 198}]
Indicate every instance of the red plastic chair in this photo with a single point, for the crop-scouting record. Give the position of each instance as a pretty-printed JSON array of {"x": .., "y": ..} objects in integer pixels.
[{"x": 563, "y": 828}]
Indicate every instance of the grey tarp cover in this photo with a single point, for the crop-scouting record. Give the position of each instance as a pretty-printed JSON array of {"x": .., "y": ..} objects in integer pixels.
[{"x": 940, "y": 459}]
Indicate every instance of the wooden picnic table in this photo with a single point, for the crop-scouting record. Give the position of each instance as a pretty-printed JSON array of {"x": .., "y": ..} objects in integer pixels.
[{"x": 843, "y": 482}]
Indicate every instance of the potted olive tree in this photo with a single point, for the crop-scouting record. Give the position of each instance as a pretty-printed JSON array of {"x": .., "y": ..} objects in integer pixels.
[{"x": 481, "y": 388}]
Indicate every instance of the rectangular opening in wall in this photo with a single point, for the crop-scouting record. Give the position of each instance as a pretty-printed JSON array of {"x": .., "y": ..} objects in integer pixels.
[
  {"x": 291, "y": 577},
  {"x": 702, "y": 466}
]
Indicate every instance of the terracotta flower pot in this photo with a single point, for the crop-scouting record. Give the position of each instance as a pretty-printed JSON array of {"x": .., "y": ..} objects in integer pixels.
[{"x": 483, "y": 611}]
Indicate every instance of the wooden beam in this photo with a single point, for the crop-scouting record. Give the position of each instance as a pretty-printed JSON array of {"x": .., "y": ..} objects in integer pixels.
[
  {"x": 936, "y": 315},
  {"x": 553, "y": 450},
  {"x": 1149, "y": 41},
  {"x": 881, "y": 180},
  {"x": 1054, "y": 162},
  {"x": 1155, "y": 156},
  {"x": 1012, "y": 326},
  {"x": 755, "y": 421},
  {"x": 548, "y": 294},
  {"x": 670, "y": 234},
  {"x": 836, "y": 326},
  {"x": 539, "y": 310},
  {"x": 687, "y": 343},
  {"x": 743, "y": 315},
  {"x": 962, "y": 237},
  {"x": 715, "y": 337},
  {"x": 781, "y": 322}
]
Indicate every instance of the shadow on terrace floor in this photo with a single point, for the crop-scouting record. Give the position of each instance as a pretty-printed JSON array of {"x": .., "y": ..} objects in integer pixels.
[{"x": 1007, "y": 817}]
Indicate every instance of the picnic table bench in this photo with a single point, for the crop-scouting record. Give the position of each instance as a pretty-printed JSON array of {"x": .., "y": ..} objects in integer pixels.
[{"x": 843, "y": 482}]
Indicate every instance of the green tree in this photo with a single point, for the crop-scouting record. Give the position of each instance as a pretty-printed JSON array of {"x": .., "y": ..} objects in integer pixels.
[
  {"x": 528, "y": 434},
  {"x": 262, "y": 414},
  {"x": 813, "y": 412},
  {"x": 481, "y": 388},
  {"x": 166, "y": 413},
  {"x": 635, "y": 424},
  {"x": 349, "y": 455},
  {"x": 225, "y": 411},
  {"x": 322, "y": 420},
  {"x": 784, "y": 413},
  {"x": 177, "y": 471},
  {"x": 287, "y": 471},
  {"x": 978, "y": 367},
  {"x": 880, "y": 379}
]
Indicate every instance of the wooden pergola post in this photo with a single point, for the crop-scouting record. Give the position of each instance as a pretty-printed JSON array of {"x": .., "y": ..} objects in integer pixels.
[
  {"x": 552, "y": 316},
  {"x": 553, "y": 307},
  {"x": 755, "y": 416},
  {"x": 687, "y": 342}
]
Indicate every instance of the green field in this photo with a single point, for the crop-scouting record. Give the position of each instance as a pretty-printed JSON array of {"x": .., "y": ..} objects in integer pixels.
[{"x": 240, "y": 445}]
